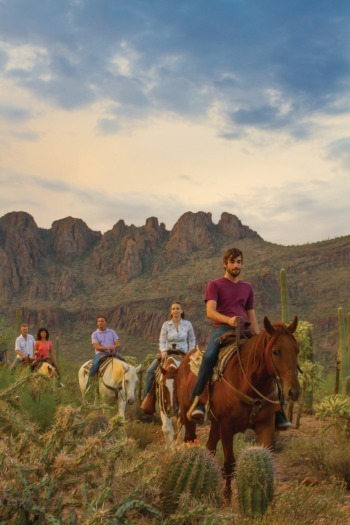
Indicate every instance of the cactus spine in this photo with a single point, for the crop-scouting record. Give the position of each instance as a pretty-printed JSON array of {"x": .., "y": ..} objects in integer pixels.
[
  {"x": 255, "y": 481},
  {"x": 193, "y": 471},
  {"x": 284, "y": 296}
]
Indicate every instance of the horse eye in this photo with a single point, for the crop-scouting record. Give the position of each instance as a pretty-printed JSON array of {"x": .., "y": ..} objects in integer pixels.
[{"x": 276, "y": 352}]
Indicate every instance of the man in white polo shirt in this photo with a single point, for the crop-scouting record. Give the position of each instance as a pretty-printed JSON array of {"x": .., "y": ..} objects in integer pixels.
[{"x": 24, "y": 346}]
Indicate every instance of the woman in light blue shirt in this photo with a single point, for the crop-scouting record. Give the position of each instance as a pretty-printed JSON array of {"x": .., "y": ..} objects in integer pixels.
[{"x": 176, "y": 335}]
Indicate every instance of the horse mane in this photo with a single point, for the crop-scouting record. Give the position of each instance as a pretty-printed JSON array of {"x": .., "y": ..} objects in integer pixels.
[
  {"x": 117, "y": 371},
  {"x": 258, "y": 346}
]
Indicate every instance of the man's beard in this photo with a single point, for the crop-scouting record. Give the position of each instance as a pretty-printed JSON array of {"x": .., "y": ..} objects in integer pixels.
[{"x": 234, "y": 272}]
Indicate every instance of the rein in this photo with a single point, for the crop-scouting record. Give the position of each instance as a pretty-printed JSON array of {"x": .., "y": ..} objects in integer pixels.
[
  {"x": 116, "y": 389},
  {"x": 272, "y": 371}
]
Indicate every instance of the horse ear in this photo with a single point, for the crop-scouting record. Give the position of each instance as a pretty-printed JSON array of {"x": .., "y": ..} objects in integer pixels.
[
  {"x": 293, "y": 325},
  {"x": 124, "y": 365},
  {"x": 268, "y": 326},
  {"x": 137, "y": 369}
]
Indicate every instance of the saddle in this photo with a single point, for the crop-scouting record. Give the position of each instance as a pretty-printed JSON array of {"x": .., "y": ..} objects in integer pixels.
[
  {"x": 224, "y": 355},
  {"x": 236, "y": 335},
  {"x": 102, "y": 365},
  {"x": 38, "y": 362}
]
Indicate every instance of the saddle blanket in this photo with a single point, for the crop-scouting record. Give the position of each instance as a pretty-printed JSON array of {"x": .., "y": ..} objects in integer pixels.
[{"x": 224, "y": 355}]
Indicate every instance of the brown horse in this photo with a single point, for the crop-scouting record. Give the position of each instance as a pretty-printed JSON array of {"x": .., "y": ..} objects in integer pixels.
[{"x": 246, "y": 394}]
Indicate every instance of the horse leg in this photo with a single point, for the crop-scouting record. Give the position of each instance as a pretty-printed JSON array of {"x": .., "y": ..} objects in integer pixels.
[
  {"x": 167, "y": 428},
  {"x": 121, "y": 406},
  {"x": 226, "y": 434},
  {"x": 180, "y": 432},
  {"x": 265, "y": 433},
  {"x": 214, "y": 436}
]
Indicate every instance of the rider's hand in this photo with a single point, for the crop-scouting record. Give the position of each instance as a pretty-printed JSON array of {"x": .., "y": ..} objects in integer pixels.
[
  {"x": 164, "y": 354},
  {"x": 234, "y": 321}
]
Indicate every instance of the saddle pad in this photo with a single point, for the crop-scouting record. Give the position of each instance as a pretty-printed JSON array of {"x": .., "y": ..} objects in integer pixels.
[
  {"x": 224, "y": 355},
  {"x": 101, "y": 368}
]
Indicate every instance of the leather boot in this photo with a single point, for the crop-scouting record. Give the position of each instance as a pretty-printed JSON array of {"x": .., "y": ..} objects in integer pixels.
[{"x": 148, "y": 405}]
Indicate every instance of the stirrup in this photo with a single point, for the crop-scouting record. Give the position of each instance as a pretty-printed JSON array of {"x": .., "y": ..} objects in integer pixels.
[{"x": 192, "y": 409}]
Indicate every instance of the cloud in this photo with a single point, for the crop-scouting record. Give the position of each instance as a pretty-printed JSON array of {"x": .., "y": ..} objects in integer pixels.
[
  {"x": 339, "y": 151},
  {"x": 180, "y": 58},
  {"x": 14, "y": 114}
]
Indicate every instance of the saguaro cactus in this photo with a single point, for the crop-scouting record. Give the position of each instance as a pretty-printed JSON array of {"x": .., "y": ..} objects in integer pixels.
[
  {"x": 57, "y": 350},
  {"x": 191, "y": 470},
  {"x": 343, "y": 351},
  {"x": 284, "y": 295},
  {"x": 255, "y": 481}
]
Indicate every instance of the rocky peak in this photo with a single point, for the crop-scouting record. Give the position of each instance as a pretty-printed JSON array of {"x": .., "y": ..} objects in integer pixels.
[
  {"x": 72, "y": 236},
  {"x": 192, "y": 232},
  {"x": 22, "y": 248},
  {"x": 230, "y": 226}
]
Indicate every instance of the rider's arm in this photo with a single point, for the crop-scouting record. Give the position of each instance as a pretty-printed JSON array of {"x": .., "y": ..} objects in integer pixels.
[
  {"x": 191, "y": 337},
  {"x": 253, "y": 322},
  {"x": 163, "y": 337},
  {"x": 36, "y": 350},
  {"x": 100, "y": 348},
  {"x": 18, "y": 351},
  {"x": 214, "y": 315}
]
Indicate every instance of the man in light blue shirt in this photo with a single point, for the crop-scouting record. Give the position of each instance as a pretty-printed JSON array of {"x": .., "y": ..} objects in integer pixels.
[{"x": 105, "y": 342}]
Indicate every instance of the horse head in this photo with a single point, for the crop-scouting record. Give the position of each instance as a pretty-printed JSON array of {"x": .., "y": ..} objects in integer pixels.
[
  {"x": 167, "y": 387},
  {"x": 129, "y": 382},
  {"x": 281, "y": 356},
  {"x": 47, "y": 370}
]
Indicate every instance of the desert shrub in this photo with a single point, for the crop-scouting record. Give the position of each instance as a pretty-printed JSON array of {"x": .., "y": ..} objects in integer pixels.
[
  {"x": 306, "y": 505},
  {"x": 328, "y": 458},
  {"x": 143, "y": 434}
]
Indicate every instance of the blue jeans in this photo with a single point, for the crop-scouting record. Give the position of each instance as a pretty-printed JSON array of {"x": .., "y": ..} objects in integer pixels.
[
  {"x": 209, "y": 359},
  {"x": 150, "y": 376},
  {"x": 95, "y": 364}
]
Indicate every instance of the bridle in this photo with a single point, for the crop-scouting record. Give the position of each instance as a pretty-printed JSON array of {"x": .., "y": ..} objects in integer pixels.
[
  {"x": 119, "y": 389},
  {"x": 169, "y": 412},
  {"x": 262, "y": 400}
]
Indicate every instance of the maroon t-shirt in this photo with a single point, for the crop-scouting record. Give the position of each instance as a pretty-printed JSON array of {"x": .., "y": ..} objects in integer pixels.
[{"x": 232, "y": 299}]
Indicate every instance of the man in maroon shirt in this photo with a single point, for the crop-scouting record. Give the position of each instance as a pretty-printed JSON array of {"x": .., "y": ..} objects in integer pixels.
[{"x": 229, "y": 302}]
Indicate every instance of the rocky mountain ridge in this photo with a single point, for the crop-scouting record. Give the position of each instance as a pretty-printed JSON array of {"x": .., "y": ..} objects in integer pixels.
[{"x": 69, "y": 273}]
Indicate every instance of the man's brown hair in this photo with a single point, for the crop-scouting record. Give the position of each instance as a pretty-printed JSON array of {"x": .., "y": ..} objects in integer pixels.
[{"x": 232, "y": 253}]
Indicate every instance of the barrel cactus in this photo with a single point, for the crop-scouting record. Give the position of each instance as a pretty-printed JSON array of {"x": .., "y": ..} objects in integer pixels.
[
  {"x": 97, "y": 423},
  {"x": 255, "y": 481},
  {"x": 193, "y": 471}
]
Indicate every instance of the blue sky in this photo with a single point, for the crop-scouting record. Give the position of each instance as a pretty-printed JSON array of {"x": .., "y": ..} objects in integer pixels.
[{"x": 129, "y": 109}]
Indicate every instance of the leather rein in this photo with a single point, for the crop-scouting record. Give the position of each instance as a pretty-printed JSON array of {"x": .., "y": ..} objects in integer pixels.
[{"x": 121, "y": 389}]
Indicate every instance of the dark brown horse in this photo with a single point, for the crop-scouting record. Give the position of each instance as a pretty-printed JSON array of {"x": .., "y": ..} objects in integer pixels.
[{"x": 246, "y": 394}]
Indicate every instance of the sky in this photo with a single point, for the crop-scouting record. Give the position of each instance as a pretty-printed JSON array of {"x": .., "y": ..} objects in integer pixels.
[{"x": 130, "y": 109}]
